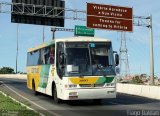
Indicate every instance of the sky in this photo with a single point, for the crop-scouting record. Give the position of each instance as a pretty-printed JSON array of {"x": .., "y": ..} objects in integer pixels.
[{"x": 137, "y": 41}]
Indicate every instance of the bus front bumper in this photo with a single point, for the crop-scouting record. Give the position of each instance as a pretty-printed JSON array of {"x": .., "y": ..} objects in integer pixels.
[{"x": 98, "y": 93}]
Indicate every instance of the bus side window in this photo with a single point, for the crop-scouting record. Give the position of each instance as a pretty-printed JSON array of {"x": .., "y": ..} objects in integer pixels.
[
  {"x": 29, "y": 59},
  {"x": 40, "y": 59}
]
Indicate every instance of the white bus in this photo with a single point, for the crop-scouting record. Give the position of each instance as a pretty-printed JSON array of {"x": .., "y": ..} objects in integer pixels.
[{"x": 73, "y": 69}]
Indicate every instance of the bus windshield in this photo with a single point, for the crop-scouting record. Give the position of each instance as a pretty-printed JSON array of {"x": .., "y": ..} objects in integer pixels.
[{"x": 89, "y": 59}]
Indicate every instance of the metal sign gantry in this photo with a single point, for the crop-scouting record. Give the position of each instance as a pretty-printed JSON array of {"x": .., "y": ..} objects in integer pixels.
[
  {"x": 30, "y": 9},
  {"x": 74, "y": 14}
]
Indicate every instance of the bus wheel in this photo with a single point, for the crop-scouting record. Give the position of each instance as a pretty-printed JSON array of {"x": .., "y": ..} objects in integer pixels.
[
  {"x": 54, "y": 94},
  {"x": 34, "y": 88},
  {"x": 97, "y": 101}
]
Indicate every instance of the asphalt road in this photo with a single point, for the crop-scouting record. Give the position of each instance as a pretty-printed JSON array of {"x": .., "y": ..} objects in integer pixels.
[{"x": 123, "y": 105}]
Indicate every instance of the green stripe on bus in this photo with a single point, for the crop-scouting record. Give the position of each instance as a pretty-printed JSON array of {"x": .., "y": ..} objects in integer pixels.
[
  {"x": 102, "y": 80},
  {"x": 44, "y": 73}
]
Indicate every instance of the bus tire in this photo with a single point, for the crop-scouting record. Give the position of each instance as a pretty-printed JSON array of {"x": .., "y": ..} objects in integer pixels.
[
  {"x": 54, "y": 94},
  {"x": 97, "y": 101},
  {"x": 34, "y": 88}
]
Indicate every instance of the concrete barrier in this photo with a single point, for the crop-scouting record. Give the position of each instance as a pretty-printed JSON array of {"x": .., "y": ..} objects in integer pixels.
[
  {"x": 145, "y": 91},
  {"x": 139, "y": 90},
  {"x": 17, "y": 76}
]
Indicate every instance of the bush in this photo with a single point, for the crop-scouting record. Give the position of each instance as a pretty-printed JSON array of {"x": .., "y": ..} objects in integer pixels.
[
  {"x": 137, "y": 80},
  {"x": 7, "y": 70}
]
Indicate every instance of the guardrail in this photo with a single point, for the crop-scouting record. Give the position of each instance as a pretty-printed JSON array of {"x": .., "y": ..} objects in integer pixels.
[{"x": 139, "y": 90}]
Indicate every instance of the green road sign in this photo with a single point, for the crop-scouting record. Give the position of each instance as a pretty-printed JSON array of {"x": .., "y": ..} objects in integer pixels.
[{"x": 83, "y": 31}]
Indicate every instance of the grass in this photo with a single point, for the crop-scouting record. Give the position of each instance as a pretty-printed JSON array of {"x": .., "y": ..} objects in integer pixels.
[{"x": 9, "y": 107}]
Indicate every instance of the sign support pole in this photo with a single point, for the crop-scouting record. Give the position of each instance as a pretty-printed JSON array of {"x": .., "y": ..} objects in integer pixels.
[
  {"x": 151, "y": 52},
  {"x": 53, "y": 33},
  {"x": 43, "y": 33}
]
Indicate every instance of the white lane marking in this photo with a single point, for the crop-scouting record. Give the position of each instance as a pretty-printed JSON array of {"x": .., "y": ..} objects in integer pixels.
[{"x": 55, "y": 114}]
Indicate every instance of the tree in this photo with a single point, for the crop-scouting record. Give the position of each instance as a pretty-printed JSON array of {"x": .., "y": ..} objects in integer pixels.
[{"x": 6, "y": 70}]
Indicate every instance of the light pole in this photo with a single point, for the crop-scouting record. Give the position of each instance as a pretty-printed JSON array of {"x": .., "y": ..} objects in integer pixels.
[{"x": 17, "y": 48}]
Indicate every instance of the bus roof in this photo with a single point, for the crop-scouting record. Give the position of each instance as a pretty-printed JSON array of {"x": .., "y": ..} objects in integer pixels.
[{"x": 71, "y": 39}]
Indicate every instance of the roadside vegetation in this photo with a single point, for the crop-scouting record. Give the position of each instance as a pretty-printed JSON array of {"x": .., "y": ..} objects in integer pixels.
[
  {"x": 136, "y": 80},
  {"x": 9, "y": 70},
  {"x": 6, "y": 70},
  {"x": 8, "y": 107},
  {"x": 142, "y": 79}
]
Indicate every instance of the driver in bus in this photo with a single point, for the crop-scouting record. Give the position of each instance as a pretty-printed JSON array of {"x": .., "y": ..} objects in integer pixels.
[{"x": 51, "y": 58}]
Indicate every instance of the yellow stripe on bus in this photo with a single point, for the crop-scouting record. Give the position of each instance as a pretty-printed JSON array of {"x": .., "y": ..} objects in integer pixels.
[
  {"x": 78, "y": 80},
  {"x": 33, "y": 73}
]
